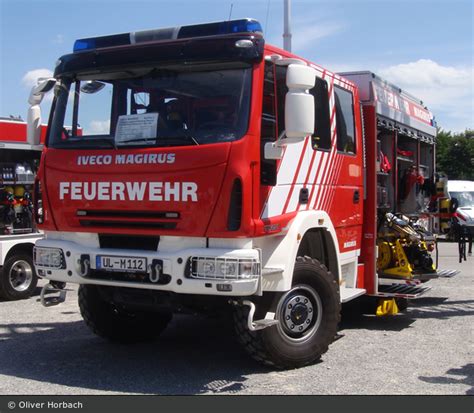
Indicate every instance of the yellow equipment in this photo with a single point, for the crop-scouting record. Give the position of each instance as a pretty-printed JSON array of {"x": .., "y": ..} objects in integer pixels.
[
  {"x": 444, "y": 221},
  {"x": 387, "y": 307},
  {"x": 402, "y": 250},
  {"x": 19, "y": 191}
]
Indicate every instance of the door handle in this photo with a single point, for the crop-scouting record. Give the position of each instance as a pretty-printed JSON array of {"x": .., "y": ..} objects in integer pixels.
[{"x": 356, "y": 197}]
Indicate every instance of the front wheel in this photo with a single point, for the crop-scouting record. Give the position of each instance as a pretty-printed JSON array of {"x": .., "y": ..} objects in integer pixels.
[
  {"x": 116, "y": 323},
  {"x": 308, "y": 316},
  {"x": 18, "y": 278}
]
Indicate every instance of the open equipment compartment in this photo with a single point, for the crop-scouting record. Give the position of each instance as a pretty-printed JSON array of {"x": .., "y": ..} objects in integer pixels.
[
  {"x": 400, "y": 139},
  {"x": 19, "y": 162},
  {"x": 406, "y": 132}
]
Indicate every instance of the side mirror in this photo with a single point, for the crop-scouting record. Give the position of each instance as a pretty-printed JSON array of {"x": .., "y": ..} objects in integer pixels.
[
  {"x": 299, "y": 109},
  {"x": 299, "y": 103},
  {"x": 34, "y": 111},
  {"x": 92, "y": 86}
]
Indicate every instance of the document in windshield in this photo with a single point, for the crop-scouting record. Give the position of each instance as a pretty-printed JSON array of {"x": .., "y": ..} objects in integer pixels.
[{"x": 136, "y": 128}]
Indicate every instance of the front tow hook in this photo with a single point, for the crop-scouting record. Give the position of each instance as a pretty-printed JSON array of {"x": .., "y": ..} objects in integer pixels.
[{"x": 53, "y": 287}]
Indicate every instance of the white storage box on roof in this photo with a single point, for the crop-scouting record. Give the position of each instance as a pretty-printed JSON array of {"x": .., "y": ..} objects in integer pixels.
[{"x": 394, "y": 104}]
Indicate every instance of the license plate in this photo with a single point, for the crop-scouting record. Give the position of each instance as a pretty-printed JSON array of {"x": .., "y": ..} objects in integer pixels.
[{"x": 117, "y": 263}]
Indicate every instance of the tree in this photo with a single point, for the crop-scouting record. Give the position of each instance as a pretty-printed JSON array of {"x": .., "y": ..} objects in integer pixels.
[{"x": 455, "y": 154}]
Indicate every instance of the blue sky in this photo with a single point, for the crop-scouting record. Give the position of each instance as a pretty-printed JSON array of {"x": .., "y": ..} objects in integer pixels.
[{"x": 425, "y": 47}]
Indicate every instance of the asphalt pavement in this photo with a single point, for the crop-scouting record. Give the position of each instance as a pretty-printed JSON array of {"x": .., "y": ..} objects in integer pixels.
[{"x": 429, "y": 349}]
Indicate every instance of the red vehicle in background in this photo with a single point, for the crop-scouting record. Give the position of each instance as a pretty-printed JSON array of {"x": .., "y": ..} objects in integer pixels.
[
  {"x": 221, "y": 171},
  {"x": 19, "y": 162}
]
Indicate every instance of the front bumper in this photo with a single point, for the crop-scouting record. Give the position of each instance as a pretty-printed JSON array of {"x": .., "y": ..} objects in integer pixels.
[{"x": 175, "y": 269}]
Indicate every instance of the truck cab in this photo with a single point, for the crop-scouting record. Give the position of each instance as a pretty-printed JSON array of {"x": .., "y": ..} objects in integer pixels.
[{"x": 213, "y": 171}]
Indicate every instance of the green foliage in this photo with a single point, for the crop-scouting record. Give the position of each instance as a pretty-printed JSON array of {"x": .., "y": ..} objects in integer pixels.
[{"x": 455, "y": 154}]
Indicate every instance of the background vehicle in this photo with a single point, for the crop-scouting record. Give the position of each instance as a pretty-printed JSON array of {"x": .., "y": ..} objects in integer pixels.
[
  {"x": 462, "y": 193},
  {"x": 18, "y": 164},
  {"x": 229, "y": 172}
]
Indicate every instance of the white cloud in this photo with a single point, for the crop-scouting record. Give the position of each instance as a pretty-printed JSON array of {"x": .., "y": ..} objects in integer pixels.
[
  {"x": 98, "y": 127},
  {"x": 446, "y": 90},
  {"x": 59, "y": 39},
  {"x": 307, "y": 31},
  {"x": 30, "y": 78},
  {"x": 312, "y": 32},
  {"x": 432, "y": 78}
]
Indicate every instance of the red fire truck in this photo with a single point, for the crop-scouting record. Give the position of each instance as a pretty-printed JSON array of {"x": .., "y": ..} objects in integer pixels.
[
  {"x": 217, "y": 171},
  {"x": 18, "y": 164}
]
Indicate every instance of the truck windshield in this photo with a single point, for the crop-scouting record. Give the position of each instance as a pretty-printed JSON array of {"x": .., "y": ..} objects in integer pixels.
[
  {"x": 465, "y": 199},
  {"x": 156, "y": 108}
]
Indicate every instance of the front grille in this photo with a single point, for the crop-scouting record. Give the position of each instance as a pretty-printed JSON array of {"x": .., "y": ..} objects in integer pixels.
[
  {"x": 129, "y": 242},
  {"x": 113, "y": 213},
  {"x": 127, "y": 224},
  {"x": 128, "y": 219}
]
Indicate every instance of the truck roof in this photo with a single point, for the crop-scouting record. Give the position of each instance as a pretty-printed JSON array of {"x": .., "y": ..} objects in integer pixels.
[{"x": 392, "y": 102}]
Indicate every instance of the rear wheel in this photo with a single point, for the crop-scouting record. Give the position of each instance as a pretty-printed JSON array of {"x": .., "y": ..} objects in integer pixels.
[
  {"x": 18, "y": 278},
  {"x": 116, "y": 323},
  {"x": 308, "y": 316}
]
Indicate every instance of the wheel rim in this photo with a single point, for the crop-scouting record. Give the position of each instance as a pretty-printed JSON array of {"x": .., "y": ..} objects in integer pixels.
[
  {"x": 21, "y": 275},
  {"x": 300, "y": 312}
]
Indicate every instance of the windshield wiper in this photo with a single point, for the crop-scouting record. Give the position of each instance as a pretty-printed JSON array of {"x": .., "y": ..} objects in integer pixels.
[
  {"x": 137, "y": 140},
  {"x": 80, "y": 143},
  {"x": 111, "y": 142},
  {"x": 177, "y": 138}
]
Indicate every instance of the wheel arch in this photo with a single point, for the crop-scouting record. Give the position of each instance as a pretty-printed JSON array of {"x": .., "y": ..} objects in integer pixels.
[
  {"x": 24, "y": 247},
  {"x": 280, "y": 252},
  {"x": 9, "y": 288},
  {"x": 318, "y": 244}
]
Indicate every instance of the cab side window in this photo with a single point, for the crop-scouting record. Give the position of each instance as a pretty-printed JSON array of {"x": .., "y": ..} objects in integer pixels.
[
  {"x": 321, "y": 138},
  {"x": 345, "y": 120},
  {"x": 281, "y": 91},
  {"x": 273, "y": 117},
  {"x": 268, "y": 126}
]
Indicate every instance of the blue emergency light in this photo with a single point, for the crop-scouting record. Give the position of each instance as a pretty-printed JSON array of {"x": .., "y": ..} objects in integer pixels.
[{"x": 170, "y": 33}]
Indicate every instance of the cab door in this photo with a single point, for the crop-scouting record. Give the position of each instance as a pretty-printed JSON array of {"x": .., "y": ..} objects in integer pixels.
[{"x": 345, "y": 201}]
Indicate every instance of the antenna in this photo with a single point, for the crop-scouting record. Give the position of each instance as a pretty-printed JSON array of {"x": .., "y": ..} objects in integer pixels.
[
  {"x": 266, "y": 19},
  {"x": 231, "y": 7},
  {"x": 287, "y": 29}
]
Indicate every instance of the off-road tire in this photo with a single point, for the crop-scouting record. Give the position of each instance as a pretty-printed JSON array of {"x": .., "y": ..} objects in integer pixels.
[
  {"x": 118, "y": 324},
  {"x": 19, "y": 266},
  {"x": 272, "y": 346}
]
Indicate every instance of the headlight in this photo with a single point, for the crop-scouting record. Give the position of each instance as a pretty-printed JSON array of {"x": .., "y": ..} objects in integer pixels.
[
  {"x": 49, "y": 257},
  {"x": 247, "y": 269},
  {"x": 223, "y": 268},
  {"x": 228, "y": 268}
]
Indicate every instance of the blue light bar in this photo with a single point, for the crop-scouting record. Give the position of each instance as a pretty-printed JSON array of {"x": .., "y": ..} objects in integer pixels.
[
  {"x": 171, "y": 33},
  {"x": 225, "y": 27},
  {"x": 102, "y": 41}
]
